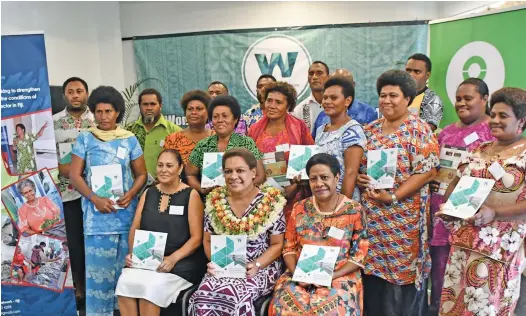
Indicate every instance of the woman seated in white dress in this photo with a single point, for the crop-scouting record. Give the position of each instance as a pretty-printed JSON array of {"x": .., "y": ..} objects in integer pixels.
[{"x": 169, "y": 207}]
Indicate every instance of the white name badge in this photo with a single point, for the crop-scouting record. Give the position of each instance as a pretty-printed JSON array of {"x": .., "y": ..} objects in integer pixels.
[
  {"x": 161, "y": 143},
  {"x": 176, "y": 210},
  {"x": 335, "y": 232},
  {"x": 283, "y": 147},
  {"x": 121, "y": 153},
  {"x": 496, "y": 170},
  {"x": 468, "y": 140}
]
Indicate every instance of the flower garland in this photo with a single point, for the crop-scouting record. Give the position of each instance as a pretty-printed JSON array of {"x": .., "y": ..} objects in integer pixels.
[{"x": 259, "y": 219}]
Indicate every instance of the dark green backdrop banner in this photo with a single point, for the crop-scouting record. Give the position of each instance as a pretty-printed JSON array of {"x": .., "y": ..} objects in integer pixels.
[{"x": 191, "y": 61}]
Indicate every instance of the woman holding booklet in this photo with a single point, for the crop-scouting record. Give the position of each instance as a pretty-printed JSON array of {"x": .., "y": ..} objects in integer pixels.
[
  {"x": 278, "y": 129},
  {"x": 342, "y": 137},
  {"x": 328, "y": 218},
  {"x": 397, "y": 217},
  {"x": 174, "y": 208},
  {"x": 225, "y": 113},
  {"x": 108, "y": 169},
  {"x": 455, "y": 140},
  {"x": 483, "y": 275},
  {"x": 242, "y": 209}
]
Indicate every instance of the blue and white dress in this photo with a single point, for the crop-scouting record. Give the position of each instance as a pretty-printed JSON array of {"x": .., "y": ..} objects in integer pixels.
[
  {"x": 106, "y": 235},
  {"x": 336, "y": 142}
]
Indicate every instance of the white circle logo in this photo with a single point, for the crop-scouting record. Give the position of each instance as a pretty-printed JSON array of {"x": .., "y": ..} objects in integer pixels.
[
  {"x": 477, "y": 60},
  {"x": 282, "y": 56}
]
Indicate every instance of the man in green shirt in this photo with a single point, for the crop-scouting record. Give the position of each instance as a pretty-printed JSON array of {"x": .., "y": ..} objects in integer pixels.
[{"x": 151, "y": 128}]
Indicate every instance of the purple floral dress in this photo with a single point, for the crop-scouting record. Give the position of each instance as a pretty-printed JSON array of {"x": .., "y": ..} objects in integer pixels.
[{"x": 233, "y": 296}]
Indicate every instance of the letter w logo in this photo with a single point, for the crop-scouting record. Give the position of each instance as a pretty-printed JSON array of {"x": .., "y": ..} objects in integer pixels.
[{"x": 276, "y": 59}]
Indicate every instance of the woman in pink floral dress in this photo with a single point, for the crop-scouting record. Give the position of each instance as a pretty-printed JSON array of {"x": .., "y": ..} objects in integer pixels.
[
  {"x": 487, "y": 251},
  {"x": 471, "y": 108}
]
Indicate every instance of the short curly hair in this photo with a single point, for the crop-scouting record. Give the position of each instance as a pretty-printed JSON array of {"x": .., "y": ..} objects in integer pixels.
[
  {"x": 228, "y": 101},
  {"x": 400, "y": 78},
  {"x": 107, "y": 94},
  {"x": 513, "y": 97},
  {"x": 26, "y": 183},
  {"x": 195, "y": 95},
  {"x": 284, "y": 88}
]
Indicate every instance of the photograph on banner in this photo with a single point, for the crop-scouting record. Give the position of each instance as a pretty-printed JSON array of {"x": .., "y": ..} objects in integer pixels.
[
  {"x": 9, "y": 241},
  {"x": 41, "y": 261},
  {"x": 28, "y": 143},
  {"x": 35, "y": 205}
]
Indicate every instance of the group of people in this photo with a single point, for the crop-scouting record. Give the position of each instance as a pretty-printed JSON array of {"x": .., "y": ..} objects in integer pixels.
[
  {"x": 391, "y": 241},
  {"x": 26, "y": 268}
]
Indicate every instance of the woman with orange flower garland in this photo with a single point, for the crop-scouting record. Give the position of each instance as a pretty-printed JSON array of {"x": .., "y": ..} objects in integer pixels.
[{"x": 241, "y": 208}]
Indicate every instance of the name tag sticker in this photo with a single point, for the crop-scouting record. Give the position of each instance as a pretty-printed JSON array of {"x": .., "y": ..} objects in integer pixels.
[
  {"x": 335, "y": 232},
  {"x": 161, "y": 143},
  {"x": 468, "y": 140},
  {"x": 121, "y": 153},
  {"x": 496, "y": 170},
  {"x": 176, "y": 210},
  {"x": 283, "y": 147}
]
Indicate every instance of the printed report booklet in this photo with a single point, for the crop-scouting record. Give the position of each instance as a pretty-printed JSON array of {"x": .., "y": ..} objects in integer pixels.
[
  {"x": 450, "y": 158},
  {"x": 106, "y": 182},
  {"x": 276, "y": 169},
  {"x": 381, "y": 167},
  {"x": 316, "y": 265},
  {"x": 468, "y": 196},
  {"x": 212, "y": 172},
  {"x": 299, "y": 155},
  {"x": 148, "y": 249},
  {"x": 229, "y": 253}
]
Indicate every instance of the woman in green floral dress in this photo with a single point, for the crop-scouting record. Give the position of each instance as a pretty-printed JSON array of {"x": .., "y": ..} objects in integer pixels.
[{"x": 23, "y": 144}]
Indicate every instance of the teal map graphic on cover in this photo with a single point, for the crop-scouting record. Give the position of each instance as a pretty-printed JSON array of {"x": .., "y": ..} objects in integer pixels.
[
  {"x": 381, "y": 167},
  {"x": 468, "y": 196},
  {"x": 299, "y": 155},
  {"x": 212, "y": 174},
  {"x": 229, "y": 254},
  {"x": 148, "y": 249},
  {"x": 316, "y": 265},
  {"x": 65, "y": 150},
  {"x": 106, "y": 182}
]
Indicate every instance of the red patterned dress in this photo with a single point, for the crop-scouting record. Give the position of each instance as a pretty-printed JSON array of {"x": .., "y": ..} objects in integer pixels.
[
  {"x": 308, "y": 225},
  {"x": 485, "y": 262}
]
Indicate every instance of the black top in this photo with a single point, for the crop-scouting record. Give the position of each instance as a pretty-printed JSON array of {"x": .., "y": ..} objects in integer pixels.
[{"x": 193, "y": 267}]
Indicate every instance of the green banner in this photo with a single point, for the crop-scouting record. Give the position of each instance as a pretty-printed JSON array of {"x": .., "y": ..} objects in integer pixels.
[
  {"x": 490, "y": 47},
  {"x": 191, "y": 61}
]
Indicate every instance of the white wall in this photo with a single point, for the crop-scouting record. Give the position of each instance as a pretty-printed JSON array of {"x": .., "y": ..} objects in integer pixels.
[
  {"x": 82, "y": 38},
  {"x": 153, "y": 18},
  {"x": 448, "y": 9}
]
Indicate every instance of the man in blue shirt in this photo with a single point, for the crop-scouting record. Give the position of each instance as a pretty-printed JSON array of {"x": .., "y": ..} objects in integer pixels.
[{"x": 359, "y": 111}]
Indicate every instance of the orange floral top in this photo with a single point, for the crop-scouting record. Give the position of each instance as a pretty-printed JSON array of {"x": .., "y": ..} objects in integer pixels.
[
  {"x": 182, "y": 143},
  {"x": 309, "y": 226}
]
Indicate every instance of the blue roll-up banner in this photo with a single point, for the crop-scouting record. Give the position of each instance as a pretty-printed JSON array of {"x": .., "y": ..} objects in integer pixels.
[{"x": 36, "y": 273}]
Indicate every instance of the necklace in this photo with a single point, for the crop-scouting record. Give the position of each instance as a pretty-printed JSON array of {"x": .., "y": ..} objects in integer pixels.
[
  {"x": 169, "y": 195},
  {"x": 498, "y": 154},
  {"x": 333, "y": 209}
]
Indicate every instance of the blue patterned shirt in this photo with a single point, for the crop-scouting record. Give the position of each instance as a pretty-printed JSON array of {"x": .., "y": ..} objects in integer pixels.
[
  {"x": 95, "y": 152},
  {"x": 361, "y": 112},
  {"x": 336, "y": 142}
]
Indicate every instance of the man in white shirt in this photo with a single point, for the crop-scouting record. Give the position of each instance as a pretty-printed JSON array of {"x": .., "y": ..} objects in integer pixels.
[
  {"x": 69, "y": 123},
  {"x": 310, "y": 108}
]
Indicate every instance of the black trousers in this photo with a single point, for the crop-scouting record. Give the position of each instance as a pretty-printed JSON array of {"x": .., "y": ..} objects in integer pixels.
[
  {"x": 382, "y": 298},
  {"x": 75, "y": 234}
]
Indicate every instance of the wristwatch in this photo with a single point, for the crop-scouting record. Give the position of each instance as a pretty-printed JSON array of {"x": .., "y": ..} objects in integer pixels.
[
  {"x": 394, "y": 200},
  {"x": 258, "y": 265}
]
